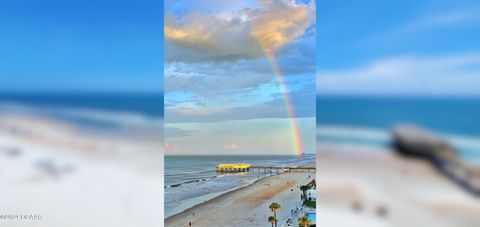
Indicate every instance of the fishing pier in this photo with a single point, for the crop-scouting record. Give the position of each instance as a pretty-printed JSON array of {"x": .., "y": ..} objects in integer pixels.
[{"x": 242, "y": 167}]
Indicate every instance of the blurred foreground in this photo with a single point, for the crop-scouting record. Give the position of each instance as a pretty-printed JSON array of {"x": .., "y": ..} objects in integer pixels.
[
  {"x": 70, "y": 172},
  {"x": 371, "y": 186}
]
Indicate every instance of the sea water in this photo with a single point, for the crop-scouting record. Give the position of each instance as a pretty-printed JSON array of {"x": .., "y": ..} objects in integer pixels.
[
  {"x": 112, "y": 113},
  {"x": 367, "y": 121},
  {"x": 190, "y": 180}
]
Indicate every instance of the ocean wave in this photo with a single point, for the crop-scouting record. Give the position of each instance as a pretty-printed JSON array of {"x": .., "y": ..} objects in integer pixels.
[
  {"x": 464, "y": 141},
  {"x": 204, "y": 197},
  {"x": 123, "y": 118},
  {"x": 118, "y": 118},
  {"x": 358, "y": 132},
  {"x": 469, "y": 145},
  {"x": 189, "y": 182}
]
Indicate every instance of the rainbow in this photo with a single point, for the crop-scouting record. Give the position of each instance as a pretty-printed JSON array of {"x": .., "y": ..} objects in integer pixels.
[{"x": 280, "y": 78}]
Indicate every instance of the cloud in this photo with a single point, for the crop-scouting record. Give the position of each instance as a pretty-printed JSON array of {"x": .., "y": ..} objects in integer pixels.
[
  {"x": 232, "y": 146},
  {"x": 243, "y": 34},
  {"x": 454, "y": 19},
  {"x": 407, "y": 75},
  {"x": 451, "y": 18},
  {"x": 255, "y": 136},
  {"x": 206, "y": 80},
  {"x": 172, "y": 147},
  {"x": 303, "y": 99},
  {"x": 281, "y": 23},
  {"x": 176, "y": 132},
  {"x": 209, "y": 79}
]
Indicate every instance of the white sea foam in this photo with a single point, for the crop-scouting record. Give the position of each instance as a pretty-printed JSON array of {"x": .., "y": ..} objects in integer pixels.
[
  {"x": 464, "y": 141},
  {"x": 352, "y": 132},
  {"x": 469, "y": 146},
  {"x": 123, "y": 118}
]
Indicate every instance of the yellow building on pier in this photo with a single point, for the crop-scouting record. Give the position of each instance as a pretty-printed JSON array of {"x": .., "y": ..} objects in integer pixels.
[{"x": 232, "y": 167}]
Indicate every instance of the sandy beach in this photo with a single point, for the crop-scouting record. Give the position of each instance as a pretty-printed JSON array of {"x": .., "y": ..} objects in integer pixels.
[
  {"x": 247, "y": 206},
  {"x": 69, "y": 177},
  {"x": 364, "y": 186}
]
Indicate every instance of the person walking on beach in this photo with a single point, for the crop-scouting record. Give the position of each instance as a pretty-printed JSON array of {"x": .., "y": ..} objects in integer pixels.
[{"x": 190, "y": 224}]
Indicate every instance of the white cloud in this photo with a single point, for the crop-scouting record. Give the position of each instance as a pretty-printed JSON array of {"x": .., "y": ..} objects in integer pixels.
[
  {"x": 243, "y": 34},
  {"x": 407, "y": 75},
  {"x": 303, "y": 100},
  {"x": 206, "y": 79},
  {"x": 232, "y": 146},
  {"x": 254, "y": 136},
  {"x": 450, "y": 18},
  {"x": 428, "y": 23},
  {"x": 172, "y": 147},
  {"x": 176, "y": 132}
]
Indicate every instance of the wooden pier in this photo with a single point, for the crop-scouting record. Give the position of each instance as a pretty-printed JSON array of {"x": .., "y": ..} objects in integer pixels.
[
  {"x": 281, "y": 169},
  {"x": 239, "y": 168}
]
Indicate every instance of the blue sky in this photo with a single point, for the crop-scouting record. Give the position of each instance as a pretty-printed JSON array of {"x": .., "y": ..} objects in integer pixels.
[
  {"x": 86, "y": 45},
  {"x": 81, "y": 45},
  {"x": 424, "y": 48},
  {"x": 221, "y": 92}
]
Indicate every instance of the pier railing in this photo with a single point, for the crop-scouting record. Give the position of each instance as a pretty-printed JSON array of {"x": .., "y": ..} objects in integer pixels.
[
  {"x": 279, "y": 169},
  {"x": 265, "y": 169}
]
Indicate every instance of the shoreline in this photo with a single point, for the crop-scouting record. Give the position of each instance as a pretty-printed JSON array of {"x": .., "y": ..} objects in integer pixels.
[
  {"x": 240, "y": 201},
  {"x": 216, "y": 195},
  {"x": 178, "y": 204},
  {"x": 219, "y": 194}
]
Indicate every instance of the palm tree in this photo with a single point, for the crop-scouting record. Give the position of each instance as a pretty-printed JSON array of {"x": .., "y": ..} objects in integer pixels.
[
  {"x": 275, "y": 207},
  {"x": 272, "y": 219},
  {"x": 304, "y": 221},
  {"x": 304, "y": 189}
]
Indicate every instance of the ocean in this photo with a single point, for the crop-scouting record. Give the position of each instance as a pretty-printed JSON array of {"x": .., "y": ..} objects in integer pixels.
[
  {"x": 147, "y": 104},
  {"x": 130, "y": 114},
  {"x": 367, "y": 121},
  {"x": 190, "y": 180}
]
